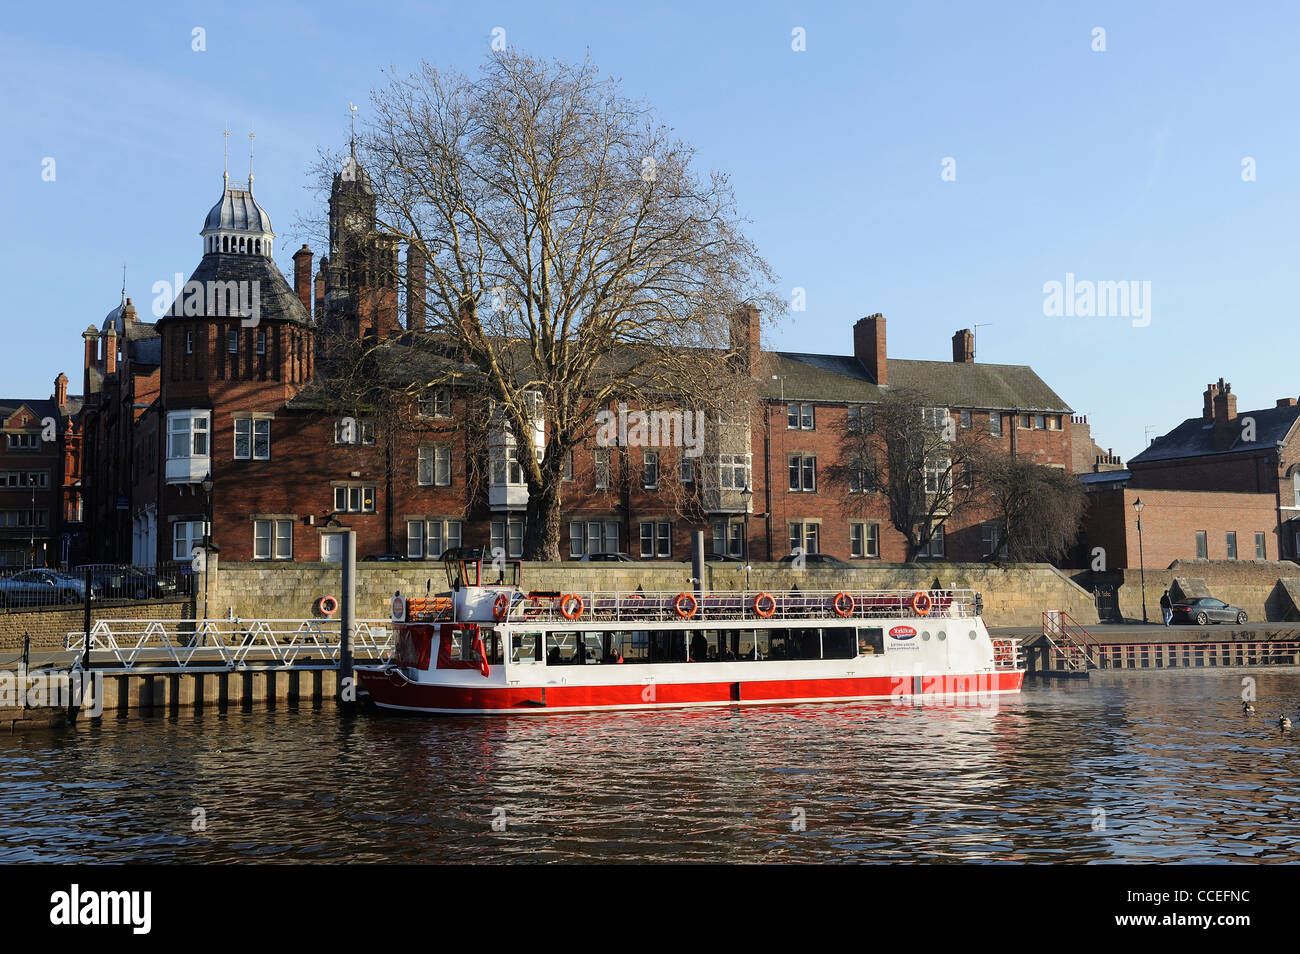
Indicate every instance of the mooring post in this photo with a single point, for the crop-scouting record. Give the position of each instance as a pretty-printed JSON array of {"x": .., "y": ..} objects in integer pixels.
[
  {"x": 22, "y": 671},
  {"x": 347, "y": 622},
  {"x": 85, "y": 624}
]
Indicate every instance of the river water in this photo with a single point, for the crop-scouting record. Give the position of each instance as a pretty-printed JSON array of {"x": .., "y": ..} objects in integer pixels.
[{"x": 1130, "y": 768}]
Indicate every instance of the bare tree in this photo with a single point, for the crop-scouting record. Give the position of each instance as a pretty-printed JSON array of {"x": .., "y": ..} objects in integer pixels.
[
  {"x": 1038, "y": 511},
  {"x": 574, "y": 258},
  {"x": 917, "y": 455}
]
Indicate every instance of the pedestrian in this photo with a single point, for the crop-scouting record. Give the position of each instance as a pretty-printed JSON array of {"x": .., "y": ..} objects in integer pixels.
[{"x": 1166, "y": 607}]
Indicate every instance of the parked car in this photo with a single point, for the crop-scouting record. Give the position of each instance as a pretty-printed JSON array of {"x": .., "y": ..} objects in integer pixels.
[
  {"x": 822, "y": 561},
  {"x": 605, "y": 558},
  {"x": 125, "y": 583},
  {"x": 385, "y": 558},
  {"x": 42, "y": 587},
  {"x": 717, "y": 558},
  {"x": 1206, "y": 609}
]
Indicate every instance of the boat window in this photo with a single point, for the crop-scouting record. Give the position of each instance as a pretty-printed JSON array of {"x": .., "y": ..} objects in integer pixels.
[
  {"x": 574, "y": 649},
  {"x": 871, "y": 641},
  {"x": 803, "y": 644},
  {"x": 631, "y": 647},
  {"x": 745, "y": 642},
  {"x": 837, "y": 643},
  {"x": 668, "y": 646},
  {"x": 526, "y": 647}
]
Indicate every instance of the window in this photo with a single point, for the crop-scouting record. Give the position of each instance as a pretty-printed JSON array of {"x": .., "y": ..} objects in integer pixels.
[
  {"x": 862, "y": 477},
  {"x": 1026, "y": 422},
  {"x": 252, "y": 438},
  {"x": 189, "y": 342},
  {"x": 187, "y": 433},
  {"x": 508, "y": 535},
  {"x": 936, "y": 476},
  {"x": 688, "y": 470},
  {"x": 859, "y": 419},
  {"x": 433, "y": 466},
  {"x": 656, "y": 540},
  {"x": 934, "y": 546},
  {"x": 728, "y": 537},
  {"x": 600, "y": 467},
  {"x": 272, "y": 539},
  {"x": 593, "y": 536},
  {"x": 349, "y": 430},
  {"x": 989, "y": 534},
  {"x": 435, "y": 403},
  {"x": 567, "y": 471},
  {"x": 799, "y": 417},
  {"x": 1232, "y": 544},
  {"x": 504, "y": 461},
  {"x": 803, "y": 473},
  {"x": 232, "y": 342},
  {"x": 995, "y": 424},
  {"x": 428, "y": 538},
  {"x": 1039, "y": 423},
  {"x": 186, "y": 535},
  {"x": 734, "y": 471},
  {"x": 864, "y": 540},
  {"x": 261, "y": 342},
  {"x": 650, "y": 470},
  {"x": 1261, "y": 550},
  {"x": 1202, "y": 547},
  {"x": 354, "y": 498},
  {"x": 967, "y": 475},
  {"x": 965, "y": 419},
  {"x": 934, "y": 416},
  {"x": 23, "y": 441},
  {"x": 806, "y": 535},
  {"x": 1054, "y": 422},
  {"x": 1295, "y": 487}
]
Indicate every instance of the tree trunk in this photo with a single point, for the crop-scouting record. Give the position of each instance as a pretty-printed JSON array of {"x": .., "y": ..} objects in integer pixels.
[{"x": 542, "y": 522}]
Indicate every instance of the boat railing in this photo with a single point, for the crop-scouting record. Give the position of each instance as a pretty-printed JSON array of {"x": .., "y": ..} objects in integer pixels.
[
  {"x": 669, "y": 606},
  {"x": 1008, "y": 654}
]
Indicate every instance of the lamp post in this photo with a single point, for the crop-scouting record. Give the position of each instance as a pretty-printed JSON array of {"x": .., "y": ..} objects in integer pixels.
[
  {"x": 747, "y": 495},
  {"x": 207, "y": 484},
  {"x": 1142, "y": 570}
]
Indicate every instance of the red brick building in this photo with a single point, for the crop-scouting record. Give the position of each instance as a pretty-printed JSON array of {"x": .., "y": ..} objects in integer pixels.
[
  {"x": 1222, "y": 485},
  {"x": 205, "y": 391},
  {"x": 40, "y": 471}
]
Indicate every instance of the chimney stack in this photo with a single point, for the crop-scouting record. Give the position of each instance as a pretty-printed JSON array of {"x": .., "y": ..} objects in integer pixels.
[
  {"x": 110, "y": 350},
  {"x": 61, "y": 391},
  {"x": 745, "y": 339},
  {"x": 963, "y": 347},
  {"x": 1211, "y": 392},
  {"x": 1286, "y": 402},
  {"x": 1225, "y": 416},
  {"x": 320, "y": 290},
  {"x": 869, "y": 347},
  {"x": 302, "y": 276},
  {"x": 91, "y": 336},
  {"x": 416, "y": 285}
]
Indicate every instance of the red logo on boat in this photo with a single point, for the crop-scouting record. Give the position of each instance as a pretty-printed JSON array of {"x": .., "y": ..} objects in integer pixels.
[{"x": 902, "y": 632}]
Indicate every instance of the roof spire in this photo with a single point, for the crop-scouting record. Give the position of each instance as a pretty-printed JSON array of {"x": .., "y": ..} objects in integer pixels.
[
  {"x": 353, "y": 109},
  {"x": 251, "y": 137},
  {"x": 225, "y": 169},
  {"x": 124, "y": 283}
]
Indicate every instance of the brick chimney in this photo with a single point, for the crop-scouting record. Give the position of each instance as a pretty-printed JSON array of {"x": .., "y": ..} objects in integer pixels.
[
  {"x": 416, "y": 286},
  {"x": 963, "y": 347},
  {"x": 110, "y": 350},
  {"x": 320, "y": 289},
  {"x": 61, "y": 391},
  {"x": 1225, "y": 416},
  {"x": 91, "y": 336},
  {"x": 745, "y": 325},
  {"x": 1211, "y": 392},
  {"x": 302, "y": 276},
  {"x": 1286, "y": 402},
  {"x": 869, "y": 347},
  {"x": 128, "y": 312}
]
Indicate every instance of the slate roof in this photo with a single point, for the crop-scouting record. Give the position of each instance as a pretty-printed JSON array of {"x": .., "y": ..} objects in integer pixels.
[
  {"x": 238, "y": 210},
  {"x": 826, "y": 377},
  {"x": 278, "y": 301},
  {"x": 1195, "y": 438}
]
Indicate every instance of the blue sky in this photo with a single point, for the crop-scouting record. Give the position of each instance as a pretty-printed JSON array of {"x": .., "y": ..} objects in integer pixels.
[{"x": 1122, "y": 165}]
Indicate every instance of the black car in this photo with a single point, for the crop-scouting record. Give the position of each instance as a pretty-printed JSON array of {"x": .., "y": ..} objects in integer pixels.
[
  {"x": 717, "y": 558},
  {"x": 127, "y": 583},
  {"x": 605, "y": 558},
  {"x": 822, "y": 561},
  {"x": 1207, "y": 609},
  {"x": 385, "y": 558}
]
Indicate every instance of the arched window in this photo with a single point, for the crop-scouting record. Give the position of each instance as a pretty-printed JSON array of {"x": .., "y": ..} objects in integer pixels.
[
  {"x": 258, "y": 243},
  {"x": 225, "y": 243},
  {"x": 1295, "y": 486}
]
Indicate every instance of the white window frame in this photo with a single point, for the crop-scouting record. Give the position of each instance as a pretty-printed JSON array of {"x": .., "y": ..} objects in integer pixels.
[
  {"x": 806, "y": 473},
  {"x": 600, "y": 467},
  {"x": 186, "y": 535},
  {"x": 650, "y": 470},
  {"x": 254, "y": 429},
  {"x": 363, "y": 431},
  {"x": 995, "y": 423},
  {"x": 504, "y": 535},
  {"x": 657, "y": 543},
  {"x": 355, "y": 498}
]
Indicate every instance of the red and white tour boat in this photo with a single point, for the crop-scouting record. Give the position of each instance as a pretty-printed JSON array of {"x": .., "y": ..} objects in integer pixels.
[{"x": 491, "y": 648}]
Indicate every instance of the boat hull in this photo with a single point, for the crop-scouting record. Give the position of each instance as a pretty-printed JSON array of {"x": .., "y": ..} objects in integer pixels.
[{"x": 392, "y": 691}]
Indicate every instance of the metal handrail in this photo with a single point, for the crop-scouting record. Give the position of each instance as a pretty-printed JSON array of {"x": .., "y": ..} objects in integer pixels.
[
  {"x": 662, "y": 605},
  {"x": 179, "y": 645}
]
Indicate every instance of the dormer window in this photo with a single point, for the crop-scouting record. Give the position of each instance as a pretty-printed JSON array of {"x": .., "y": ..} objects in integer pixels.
[{"x": 232, "y": 342}]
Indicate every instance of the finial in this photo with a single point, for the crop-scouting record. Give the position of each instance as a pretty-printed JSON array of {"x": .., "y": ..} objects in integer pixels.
[
  {"x": 124, "y": 283},
  {"x": 353, "y": 109},
  {"x": 251, "y": 137},
  {"x": 225, "y": 170}
]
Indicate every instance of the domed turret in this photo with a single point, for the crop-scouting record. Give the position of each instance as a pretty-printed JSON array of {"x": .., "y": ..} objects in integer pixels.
[{"x": 238, "y": 225}]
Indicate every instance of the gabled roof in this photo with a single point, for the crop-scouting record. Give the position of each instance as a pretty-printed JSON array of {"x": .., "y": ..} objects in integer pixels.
[
  {"x": 827, "y": 377},
  {"x": 1195, "y": 438}
]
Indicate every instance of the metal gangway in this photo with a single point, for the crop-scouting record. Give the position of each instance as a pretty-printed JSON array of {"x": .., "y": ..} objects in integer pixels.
[{"x": 226, "y": 645}]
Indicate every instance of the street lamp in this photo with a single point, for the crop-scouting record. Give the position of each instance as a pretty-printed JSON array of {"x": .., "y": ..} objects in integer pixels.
[
  {"x": 1142, "y": 570},
  {"x": 747, "y": 495},
  {"x": 207, "y": 484}
]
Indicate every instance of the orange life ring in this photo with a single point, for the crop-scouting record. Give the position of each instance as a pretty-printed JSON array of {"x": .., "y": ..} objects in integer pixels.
[
  {"x": 686, "y": 598},
  {"x": 327, "y": 605},
  {"x": 919, "y": 599},
  {"x": 838, "y": 605},
  {"x": 567, "y": 608},
  {"x": 771, "y": 607},
  {"x": 501, "y": 607}
]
